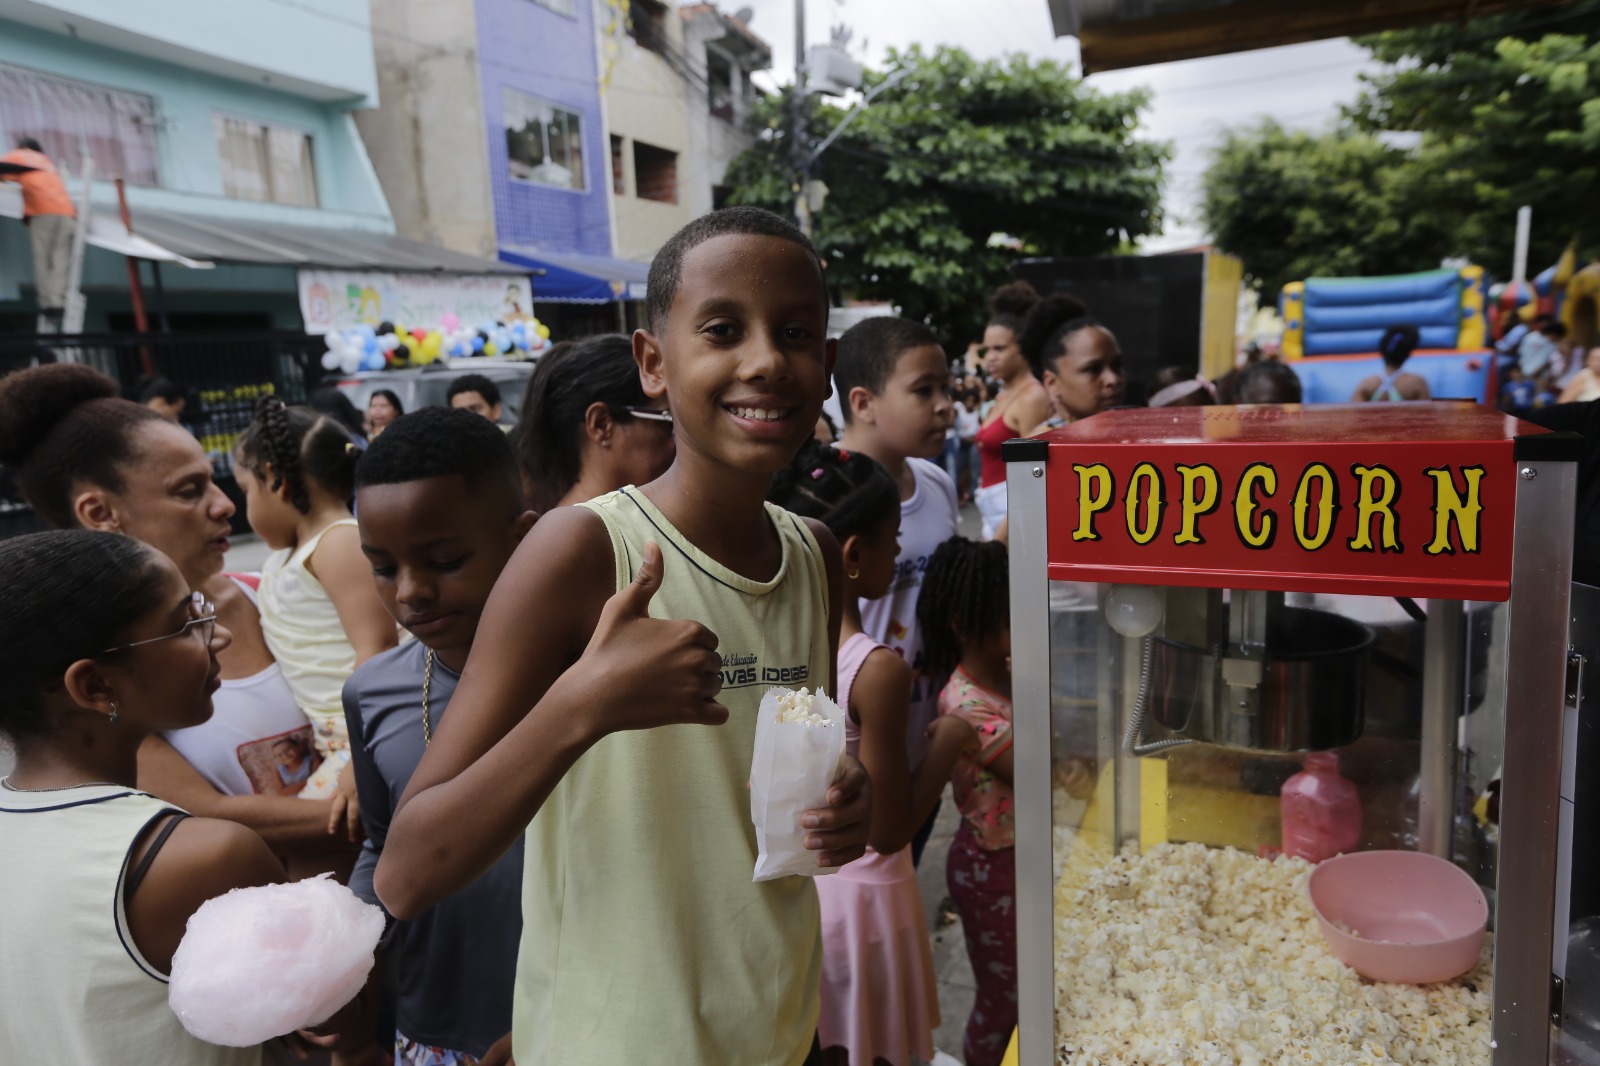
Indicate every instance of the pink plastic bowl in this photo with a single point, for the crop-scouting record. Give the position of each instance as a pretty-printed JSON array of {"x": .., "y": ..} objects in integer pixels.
[{"x": 1399, "y": 916}]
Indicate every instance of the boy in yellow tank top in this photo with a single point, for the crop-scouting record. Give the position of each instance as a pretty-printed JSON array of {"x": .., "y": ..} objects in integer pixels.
[{"x": 644, "y": 938}]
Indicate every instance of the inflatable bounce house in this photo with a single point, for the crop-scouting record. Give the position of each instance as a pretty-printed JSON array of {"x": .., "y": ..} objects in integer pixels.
[
  {"x": 1564, "y": 291},
  {"x": 1332, "y": 327}
]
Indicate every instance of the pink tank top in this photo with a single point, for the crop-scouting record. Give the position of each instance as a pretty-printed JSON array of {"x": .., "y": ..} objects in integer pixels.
[{"x": 852, "y": 653}]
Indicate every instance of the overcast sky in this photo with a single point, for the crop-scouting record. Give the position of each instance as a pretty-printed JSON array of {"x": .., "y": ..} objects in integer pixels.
[{"x": 1302, "y": 85}]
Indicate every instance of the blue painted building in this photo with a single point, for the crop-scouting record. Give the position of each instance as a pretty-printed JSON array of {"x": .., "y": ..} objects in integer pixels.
[
  {"x": 549, "y": 167},
  {"x": 491, "y": 140},
  {"x": 232, "y": 125}
]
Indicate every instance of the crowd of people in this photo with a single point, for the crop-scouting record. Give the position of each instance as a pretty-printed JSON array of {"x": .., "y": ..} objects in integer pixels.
[
  {"x": 504, "y": 684},
  {"x": 1540, "y": 366}
]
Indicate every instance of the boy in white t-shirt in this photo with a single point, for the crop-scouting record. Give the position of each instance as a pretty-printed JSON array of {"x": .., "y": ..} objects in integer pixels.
[{"x": 893, "y": 381}]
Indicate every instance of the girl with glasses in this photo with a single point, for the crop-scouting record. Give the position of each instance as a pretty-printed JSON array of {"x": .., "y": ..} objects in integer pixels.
[
  {"x": 87, "y": 459},
  {"x": 102, "y": 646}
]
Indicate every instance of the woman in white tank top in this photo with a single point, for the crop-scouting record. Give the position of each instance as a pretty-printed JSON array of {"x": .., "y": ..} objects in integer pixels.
[
  {"x": 87, "y": 459},
  {"x": 102, "y": 645}
]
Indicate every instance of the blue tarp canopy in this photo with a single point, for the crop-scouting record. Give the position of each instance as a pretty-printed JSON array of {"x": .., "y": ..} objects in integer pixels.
[{"x": 571, "y": 277}]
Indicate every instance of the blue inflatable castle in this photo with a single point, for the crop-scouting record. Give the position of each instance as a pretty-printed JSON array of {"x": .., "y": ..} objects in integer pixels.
[{"x": 1332, "y": 327}]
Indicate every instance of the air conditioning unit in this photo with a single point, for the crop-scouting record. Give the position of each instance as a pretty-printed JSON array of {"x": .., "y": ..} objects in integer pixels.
[{"x": 831, "y": 71}]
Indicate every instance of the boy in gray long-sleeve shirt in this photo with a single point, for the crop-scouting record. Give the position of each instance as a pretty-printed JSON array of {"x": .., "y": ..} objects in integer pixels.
[{"x": 440, "y": 512}]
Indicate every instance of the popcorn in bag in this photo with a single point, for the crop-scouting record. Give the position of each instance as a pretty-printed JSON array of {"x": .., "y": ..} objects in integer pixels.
[{"x": 799, "y": 742}]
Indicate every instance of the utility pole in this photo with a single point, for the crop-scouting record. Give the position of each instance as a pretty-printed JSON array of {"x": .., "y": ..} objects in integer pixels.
[
  {"x": 801, "y": 155},
  {"x": 1519, "y": 256}
]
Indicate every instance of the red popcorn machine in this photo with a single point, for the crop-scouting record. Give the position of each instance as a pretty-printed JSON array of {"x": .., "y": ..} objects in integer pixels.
[{"x": 1295, "y": 710}]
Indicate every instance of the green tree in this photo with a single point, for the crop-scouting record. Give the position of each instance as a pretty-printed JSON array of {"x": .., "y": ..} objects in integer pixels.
[
  {"x": 1509, "y": 109},
  {"x": 1507, "y": 112},
  {"x": 1294, "y": 204},
  {"x": 939, "y": 184}
]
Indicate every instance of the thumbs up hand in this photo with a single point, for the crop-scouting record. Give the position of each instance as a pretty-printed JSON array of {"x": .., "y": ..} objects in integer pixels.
[{"x": 644, "y": 671}]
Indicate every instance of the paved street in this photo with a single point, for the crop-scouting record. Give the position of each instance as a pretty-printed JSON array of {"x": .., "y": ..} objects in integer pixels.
[{"x": 949, "y": 947}]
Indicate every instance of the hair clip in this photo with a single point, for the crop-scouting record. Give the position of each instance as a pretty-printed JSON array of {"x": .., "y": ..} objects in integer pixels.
[
  {"x": 844, "y": 456},
  {"x": 816, "y": 475}
]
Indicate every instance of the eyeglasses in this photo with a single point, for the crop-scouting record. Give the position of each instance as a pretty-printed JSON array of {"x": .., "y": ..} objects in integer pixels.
[
  {"x": 203, "y": 619},
  {"x": 650, "y": 414}
]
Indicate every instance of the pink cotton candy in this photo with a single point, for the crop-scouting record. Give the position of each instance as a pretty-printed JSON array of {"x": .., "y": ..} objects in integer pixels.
[{"x": 261, "y": 962}]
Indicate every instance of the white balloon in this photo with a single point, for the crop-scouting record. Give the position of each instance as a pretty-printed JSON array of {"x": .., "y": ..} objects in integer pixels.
[
  {"x": 350, "y": 362},
  {"x": 1134, "y": 610},
  {"x": 330, "y": 360}
]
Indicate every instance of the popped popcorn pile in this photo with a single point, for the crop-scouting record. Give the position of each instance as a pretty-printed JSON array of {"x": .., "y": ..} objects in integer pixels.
[
  {"x": 1197, "y": 956},
  {"x": 794, "y": 708}
]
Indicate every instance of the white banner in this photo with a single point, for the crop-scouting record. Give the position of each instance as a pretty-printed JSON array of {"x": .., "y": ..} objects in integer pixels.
[{"x": 340, "y": 299}]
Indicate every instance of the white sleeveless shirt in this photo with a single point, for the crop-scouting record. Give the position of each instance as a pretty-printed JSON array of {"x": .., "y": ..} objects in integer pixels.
[
  {"x": 303, "y": 630},
  {"x": 74, "y": 987},
  {"x": 233, "y": 749}
]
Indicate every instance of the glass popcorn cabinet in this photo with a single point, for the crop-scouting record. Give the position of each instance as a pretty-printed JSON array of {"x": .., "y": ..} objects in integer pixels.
[{"x": 1246, "y": 641}]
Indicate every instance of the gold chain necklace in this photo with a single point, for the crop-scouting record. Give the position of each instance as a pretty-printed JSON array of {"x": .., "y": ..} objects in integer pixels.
[{"x": 427, "y": 683}]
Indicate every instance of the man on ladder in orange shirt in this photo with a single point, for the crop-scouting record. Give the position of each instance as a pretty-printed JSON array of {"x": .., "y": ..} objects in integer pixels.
[{"x": 49, "y": 214}]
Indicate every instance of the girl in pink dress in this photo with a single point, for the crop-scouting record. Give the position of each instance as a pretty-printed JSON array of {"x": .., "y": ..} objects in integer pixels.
[{"x": 879, "y": 1000}]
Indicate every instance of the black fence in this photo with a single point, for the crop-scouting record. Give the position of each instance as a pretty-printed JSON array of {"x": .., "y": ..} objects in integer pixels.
[{"x": 224, "y": 374}]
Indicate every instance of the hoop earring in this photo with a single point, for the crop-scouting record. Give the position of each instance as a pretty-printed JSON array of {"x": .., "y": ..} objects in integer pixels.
[
  {"x": 114, "y": 716},
  {"x": 852, "y": 574}
]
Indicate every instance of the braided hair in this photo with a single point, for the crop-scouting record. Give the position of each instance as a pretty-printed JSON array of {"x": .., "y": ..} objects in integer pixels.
[
  {"x": 1044, "y": 334},
  {"x": 966, "y": 594},
  {"x": 850, "y": 493},
  {"x": 303, "y": 449}
]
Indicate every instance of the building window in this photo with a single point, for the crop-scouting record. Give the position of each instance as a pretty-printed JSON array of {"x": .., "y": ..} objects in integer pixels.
[
  {"x": 544, "y": 143},
  {"x": 719, "y": 85},
  {"x": 71, "y": 118},
  {"x": 560, "y": 7},
  {"x": 619, "y": 178},
  {"x": 647, "y": 24},
  {"x": 262, "y": 162},
  {"x": 655, "y": 173}
]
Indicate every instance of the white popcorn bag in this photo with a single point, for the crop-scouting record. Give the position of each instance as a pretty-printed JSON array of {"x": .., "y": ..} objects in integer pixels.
[{"x": 799, "y": 741}]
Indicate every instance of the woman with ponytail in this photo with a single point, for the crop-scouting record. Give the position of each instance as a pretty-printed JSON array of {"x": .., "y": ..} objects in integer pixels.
[
  {"x": 1020, "y": 405},
  {"x": 86, "y": 459},
  {"x": 587, "y": 426}
]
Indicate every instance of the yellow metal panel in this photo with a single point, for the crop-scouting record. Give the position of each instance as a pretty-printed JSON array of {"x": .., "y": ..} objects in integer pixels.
[
  {"x": 1474, "y": 324},
  {"x": 1153, "y": 827},
  {"x": 1219, "y": 325},
  {"x": 1293, "y": 345},
  {"x": 1223, "y": 819}
]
